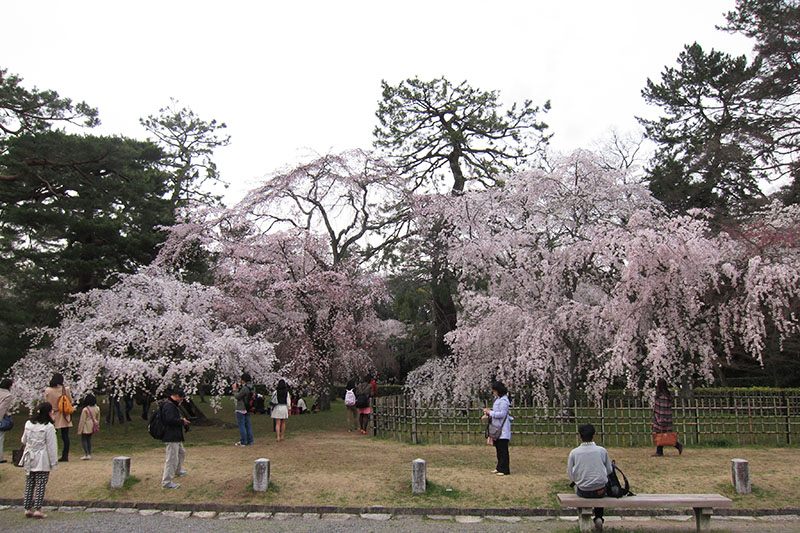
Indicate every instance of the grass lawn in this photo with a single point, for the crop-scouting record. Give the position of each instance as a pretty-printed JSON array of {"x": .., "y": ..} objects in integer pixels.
[{"x": 320, "y": 463}]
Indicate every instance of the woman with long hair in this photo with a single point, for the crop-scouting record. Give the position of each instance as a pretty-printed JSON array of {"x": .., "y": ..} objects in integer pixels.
[
  {"x": 280, "y": 409},
  {"x": 39, "y": 458},
  {"x": 88, "y": 424},
  {"x": 500, "y": 417},
  {"x": 662, "y": 415},
  {"x": 61, "y": 421},
  {"x": 363, "y": 394}
]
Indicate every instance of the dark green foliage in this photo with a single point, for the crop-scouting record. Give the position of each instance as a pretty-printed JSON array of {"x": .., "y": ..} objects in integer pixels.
[
  {"x": 75, "y": 210},
  {"x": 31, "y": 110},
  {"x": 704, "y": 157},
  {"x": 729, "y": 125},
  {"x": 188, "y": 143},
  {"x": 435, "y": 125}
]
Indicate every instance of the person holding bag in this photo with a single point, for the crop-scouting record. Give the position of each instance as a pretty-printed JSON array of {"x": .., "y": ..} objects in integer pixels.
[
  {"x": 499, "y": 428},
  {"x": 662, "y": 420},
  {"x": 39, "y": 458},
  {"x": 60, "y": 399},
  {"x": 88, "y": 425}
]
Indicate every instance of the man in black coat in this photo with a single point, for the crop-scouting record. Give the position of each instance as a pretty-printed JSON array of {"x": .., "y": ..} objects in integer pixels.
[{"x": 174, "y": 424}]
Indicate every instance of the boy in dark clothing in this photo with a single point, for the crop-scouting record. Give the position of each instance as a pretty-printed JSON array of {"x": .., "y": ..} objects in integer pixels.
[{"x": 173, "y": 438}]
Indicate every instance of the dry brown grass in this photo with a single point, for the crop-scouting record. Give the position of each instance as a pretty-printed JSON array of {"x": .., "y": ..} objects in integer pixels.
[{"x": 321, "y": 464}]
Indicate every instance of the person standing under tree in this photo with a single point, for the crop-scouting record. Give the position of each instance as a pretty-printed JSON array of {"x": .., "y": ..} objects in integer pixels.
[
  {"x": 174, "y": 424},
  {"x": 61, "y": 421},
  {"x": 662, "y": 415},
  {"x": 39, "y": 458},
  {"x": 363, "y": 394},
  {"x": 280, "y": 409},
  {"x": 499, "y": 414},
  {"x": 350, "y": 405},
  {"x": 89, "y": 424},
  {"x": 241, "y": 393}
]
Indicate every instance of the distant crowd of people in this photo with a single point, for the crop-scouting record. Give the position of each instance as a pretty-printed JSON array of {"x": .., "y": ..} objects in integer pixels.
[{"x": 588, "y": 465}]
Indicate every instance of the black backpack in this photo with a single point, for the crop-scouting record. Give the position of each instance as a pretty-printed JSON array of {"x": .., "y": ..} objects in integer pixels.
[
  {"x": 614, "y": 488},
  {"x": 362, "y": 400},
  {"x": 156, "y": 425}
]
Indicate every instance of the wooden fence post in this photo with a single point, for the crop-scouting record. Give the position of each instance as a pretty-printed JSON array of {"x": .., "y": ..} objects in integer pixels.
[
  {"x": 414, "y": 439},
  {"x": 788, "y": 414}
]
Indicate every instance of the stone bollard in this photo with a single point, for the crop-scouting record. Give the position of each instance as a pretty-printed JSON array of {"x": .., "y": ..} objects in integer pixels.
[
  {"x": 418, "y": 476},
  {"x": 740, "y": 475},
  {"x": 260, "y": 475},
  {"x": 120, "y": 471}
]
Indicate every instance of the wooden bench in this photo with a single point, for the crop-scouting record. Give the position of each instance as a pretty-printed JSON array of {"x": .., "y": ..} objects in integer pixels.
[{"x": 703, "y": 505}]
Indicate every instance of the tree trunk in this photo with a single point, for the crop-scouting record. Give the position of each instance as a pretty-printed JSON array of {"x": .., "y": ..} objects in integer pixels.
[
  {"x": 198, "y": 418},
  {"x": 443, "y": 307}
]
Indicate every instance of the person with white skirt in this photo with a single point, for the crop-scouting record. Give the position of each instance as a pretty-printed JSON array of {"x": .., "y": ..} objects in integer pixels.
[{"x": 281, "y": 400}]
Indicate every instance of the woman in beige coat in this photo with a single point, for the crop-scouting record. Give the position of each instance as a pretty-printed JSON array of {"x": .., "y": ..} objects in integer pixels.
[
  {"x": 88, "y": 424},
  {"x": 61, "y": 421}
]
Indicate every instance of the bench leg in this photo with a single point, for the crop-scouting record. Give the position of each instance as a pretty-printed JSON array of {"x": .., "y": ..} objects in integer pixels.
[
  {"x": 585, "y": 519},
  {"x": 702, "y": 517}
]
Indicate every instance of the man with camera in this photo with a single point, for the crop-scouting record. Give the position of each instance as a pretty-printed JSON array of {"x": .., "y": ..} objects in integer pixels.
[{"x": 242, "y": 392}]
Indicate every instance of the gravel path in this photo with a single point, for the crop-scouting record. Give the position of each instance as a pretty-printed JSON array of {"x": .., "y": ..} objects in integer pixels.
[{"x": 129, "y": 521}]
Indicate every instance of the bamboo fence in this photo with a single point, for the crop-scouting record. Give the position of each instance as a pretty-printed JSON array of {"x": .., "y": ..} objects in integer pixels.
[{"x": 730, "y": 418}]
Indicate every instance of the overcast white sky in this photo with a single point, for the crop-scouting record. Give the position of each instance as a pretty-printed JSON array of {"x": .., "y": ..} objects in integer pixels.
[{"x": 294, "y": 78}]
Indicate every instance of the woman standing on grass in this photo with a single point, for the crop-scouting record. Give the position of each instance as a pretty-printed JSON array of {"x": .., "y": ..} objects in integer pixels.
[
  {"x": 499, "y": 415},
  {"x": 350, "y": 406},
  {"x": 62, "y": 421},
  {"x": 662, "y": 415},
  {"x": 39, "y": 458},
  {"x": 280, "y": 410},
  {"x": 89, "y": 424},
  {"x": 363, "y": 394}
]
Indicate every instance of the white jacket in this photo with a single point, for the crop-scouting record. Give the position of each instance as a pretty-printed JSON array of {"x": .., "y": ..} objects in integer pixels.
[{"x": 41, "y": 453}]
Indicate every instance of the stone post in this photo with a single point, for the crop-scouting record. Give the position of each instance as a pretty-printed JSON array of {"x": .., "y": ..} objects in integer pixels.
[
  {"x": 260, "y": 475},
  {"x": 121, "y": 470},
  {"x": 740, "y": 475},
  {"x": 418, "y": 476}
]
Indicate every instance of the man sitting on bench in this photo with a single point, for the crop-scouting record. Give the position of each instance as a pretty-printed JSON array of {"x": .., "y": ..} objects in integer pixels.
[{"x": 588, "y": 468}]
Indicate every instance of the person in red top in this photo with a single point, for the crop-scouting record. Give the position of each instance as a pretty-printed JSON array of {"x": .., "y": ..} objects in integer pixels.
[{"x": 374, "y": 387}]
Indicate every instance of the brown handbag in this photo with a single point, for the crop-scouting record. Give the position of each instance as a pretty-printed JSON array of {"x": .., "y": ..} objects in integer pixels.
[{"x": 665, "y": 439}]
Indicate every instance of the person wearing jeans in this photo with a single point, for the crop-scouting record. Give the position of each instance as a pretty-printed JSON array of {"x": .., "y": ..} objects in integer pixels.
[{"x": 241, "y": 393}]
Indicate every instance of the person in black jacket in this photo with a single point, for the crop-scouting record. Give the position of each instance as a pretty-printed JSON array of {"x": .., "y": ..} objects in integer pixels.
[{"x": 173, "y": 438}]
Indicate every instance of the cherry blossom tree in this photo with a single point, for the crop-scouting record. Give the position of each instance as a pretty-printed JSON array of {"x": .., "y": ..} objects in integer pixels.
[
  {"x": 148, "y": 330},
  {"x": 762, "y": 317},
  {"x": 290, "y": 257},
  {"x": 573, "y": 279},
  {"x": 353, "y": 198}
]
